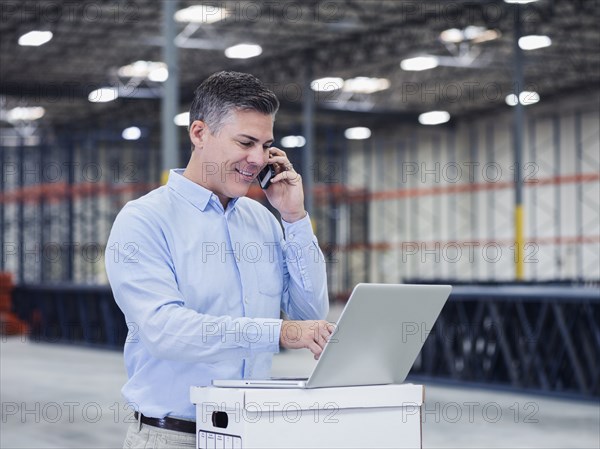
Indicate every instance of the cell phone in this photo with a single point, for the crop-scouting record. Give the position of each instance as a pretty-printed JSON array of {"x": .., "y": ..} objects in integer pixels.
[{"x": 265, "y": 175}]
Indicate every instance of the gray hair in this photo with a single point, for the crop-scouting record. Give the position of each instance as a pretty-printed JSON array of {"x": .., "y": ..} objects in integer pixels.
[{"x": 225, "y": 92}]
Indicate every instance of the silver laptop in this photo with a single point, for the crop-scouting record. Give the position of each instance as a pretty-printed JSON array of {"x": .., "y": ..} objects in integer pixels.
[{"x": 377, "y": 338}]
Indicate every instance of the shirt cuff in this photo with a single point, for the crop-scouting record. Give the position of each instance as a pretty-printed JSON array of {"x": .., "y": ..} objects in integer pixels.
[{"x": 300, "y": 232}]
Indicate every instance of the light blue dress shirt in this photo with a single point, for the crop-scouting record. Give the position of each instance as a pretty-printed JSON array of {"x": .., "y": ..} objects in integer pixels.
[{"x": 202, "y": 288}]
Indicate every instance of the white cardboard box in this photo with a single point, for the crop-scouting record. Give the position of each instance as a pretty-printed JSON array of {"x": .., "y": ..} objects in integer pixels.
[{"x": 386, "y": 416}]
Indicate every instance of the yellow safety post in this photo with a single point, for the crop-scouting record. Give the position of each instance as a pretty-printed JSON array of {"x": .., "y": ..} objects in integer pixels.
[{"x": 519, "y": 244}]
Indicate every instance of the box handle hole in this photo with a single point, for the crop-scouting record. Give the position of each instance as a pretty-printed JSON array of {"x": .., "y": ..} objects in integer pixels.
[{"x": 220, "y": 420}]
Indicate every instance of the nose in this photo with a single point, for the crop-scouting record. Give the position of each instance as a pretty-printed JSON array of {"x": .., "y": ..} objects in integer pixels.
[{"x": 257, "y": 156}]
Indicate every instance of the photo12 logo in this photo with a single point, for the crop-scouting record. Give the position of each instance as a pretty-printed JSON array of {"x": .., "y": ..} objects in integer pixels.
[
  {"x": 474, "y": 411},
  {"x": 66, "y": 412},
  {"x": 269, "y": 411},
  {"x": 53, "y": 172}
]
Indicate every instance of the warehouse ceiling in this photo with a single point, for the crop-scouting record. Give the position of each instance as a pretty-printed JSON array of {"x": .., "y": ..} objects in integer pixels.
[{"x": 92, "y": 40}]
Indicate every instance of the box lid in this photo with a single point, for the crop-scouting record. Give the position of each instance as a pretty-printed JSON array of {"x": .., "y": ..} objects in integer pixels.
[{"x": 369, "y": 396}]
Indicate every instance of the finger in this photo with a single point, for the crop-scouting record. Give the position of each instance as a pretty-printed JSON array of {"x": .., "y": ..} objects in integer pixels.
[
  {"x": 325, "y": 331},
  {"x": 283, "y": 160},
  {"x": 331, "y": 328},
  {"x": 315, "y": 348},
  {"x": 321, "y": 339},
  {"x": 281, "y": 164},
  {"x": 326, "y": 335},
  {"x": 291, "y": 176},
  {"x": 276, "y": 151}
]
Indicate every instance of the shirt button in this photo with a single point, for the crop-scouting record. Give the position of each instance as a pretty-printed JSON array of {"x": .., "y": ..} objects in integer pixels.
[{"x": 246, "y": 299}]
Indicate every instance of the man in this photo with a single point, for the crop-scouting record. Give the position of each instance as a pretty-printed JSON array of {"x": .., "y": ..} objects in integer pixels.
[{"x": 202, "y": 273}]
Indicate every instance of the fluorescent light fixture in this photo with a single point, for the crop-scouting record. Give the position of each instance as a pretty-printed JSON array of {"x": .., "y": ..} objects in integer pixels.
[
  {"x": 243, "y": 51},
  {"x": 327, "y": 84},
  {"x": 35, "y": 38},
  {"x": 293, "y": 141},
  {"x": 357, "y": 133},
  {"x": 182, "y": 119},
  {"x": 154, "y": 71},
  {"x": 132, "y": 133},
  {"x": 526, "y": 98},
  {"x": 366, "y": 85},
  {"x": 419, "y": 63},
  {"x": 452, "y": 35},
  {"x": 478, "y": 35},
  {"x": 201, "y": 14},
  {"x": 25, "y": 114},
  {"x": 520, "y": 2},
  {"x": 434, "y": 117},
  {"x": 487, "y": 35},
  {"x": 533, "y": 42},
  {"x": 137, "y": 69},
  {"x": 529, "y": 97},
  {"x": 103, "y": 95},
  {"x": 159, "y": 75},
  {"x": 471, "y": 33},
  {"x": 511, "y": 100}
]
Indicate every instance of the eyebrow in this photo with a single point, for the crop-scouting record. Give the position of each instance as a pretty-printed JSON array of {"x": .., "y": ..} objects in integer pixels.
[{"x": 254, "y": 139}]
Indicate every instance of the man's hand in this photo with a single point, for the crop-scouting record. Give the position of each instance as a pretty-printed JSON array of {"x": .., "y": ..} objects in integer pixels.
[
  {"x": 311, "y": 334},
  {"x": 285, "y": 192}
]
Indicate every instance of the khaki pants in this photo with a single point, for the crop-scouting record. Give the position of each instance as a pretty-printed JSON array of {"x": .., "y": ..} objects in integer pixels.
[{"x": 149, "y": 437}]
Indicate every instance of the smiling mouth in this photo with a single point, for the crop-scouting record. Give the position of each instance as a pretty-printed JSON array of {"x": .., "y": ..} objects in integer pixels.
[{"x": 246, "y": 174}]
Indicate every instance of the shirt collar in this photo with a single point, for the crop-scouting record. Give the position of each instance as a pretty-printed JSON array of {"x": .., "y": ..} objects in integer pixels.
[{"x": 196, "y": 194}]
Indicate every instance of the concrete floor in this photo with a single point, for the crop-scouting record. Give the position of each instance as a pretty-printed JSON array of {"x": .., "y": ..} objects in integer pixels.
[{"x": 68, "y": 396}]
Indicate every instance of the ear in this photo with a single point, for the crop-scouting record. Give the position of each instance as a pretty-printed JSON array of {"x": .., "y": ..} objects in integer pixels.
[{"x": 198, "y": 132}]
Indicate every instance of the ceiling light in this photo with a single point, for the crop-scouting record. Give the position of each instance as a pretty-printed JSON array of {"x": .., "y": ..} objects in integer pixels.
[
  {"x": 35, "y": 38},
  {"x": 526, "y": 98},
  {"x": 25, "y": 114},
  {"x": 472, "y": 33},
  {"x": 434, "y": 118},
  {"x": 137, "y": 69},
  {"x": 487, "y": 35},
  {"x": 243, "y": 51},
  {"x": 357, "y": 133},
  {"x": 365, "y": 85},
  {"x": 452, "y": 35},
  {"x": 327, "y": 84},
  {"x": 103, "y": 95},
  {"x": 293, "y": 141},
  {"x": 154, "y": 71},
  {"x": 529, "y": 97},
  {"x": 201, "y": 14},
  {"x": 182, "y": 119},
  {"x": 511, "y": 100},
  {"x": 132, "y": 133},
  {"x": 520, "y": 2},
  {"x": 159, "y": 75},
  {"x": 419, "y": 63},
  {"x": 533, "y": 42}
]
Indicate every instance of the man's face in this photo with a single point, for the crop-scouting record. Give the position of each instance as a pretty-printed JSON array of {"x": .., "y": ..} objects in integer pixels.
[{"x": 231, "y": 158}]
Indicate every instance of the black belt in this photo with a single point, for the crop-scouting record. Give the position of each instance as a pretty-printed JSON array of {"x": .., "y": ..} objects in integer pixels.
[{"x": 178, "y": 425}]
